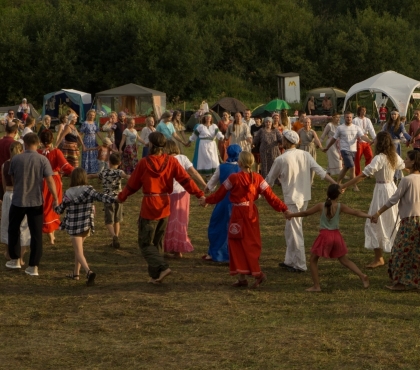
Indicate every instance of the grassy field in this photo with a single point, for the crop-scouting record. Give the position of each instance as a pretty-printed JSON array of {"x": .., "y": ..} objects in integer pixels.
[{"x": 195, "y": 319}]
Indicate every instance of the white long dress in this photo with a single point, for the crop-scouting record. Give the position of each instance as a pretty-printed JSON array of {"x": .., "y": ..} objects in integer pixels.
[
  {"x": 335, "y": 164},
  {"x": 382, "y": 234},
  {"x": 208, "y": 158}
]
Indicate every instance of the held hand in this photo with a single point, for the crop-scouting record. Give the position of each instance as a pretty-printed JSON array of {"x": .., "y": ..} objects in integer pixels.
[
  {"x": 202, "y": 202},
  {"x": 117, "y": 200},
  {"x": 54, "y": 204},
  {"x": 206, "y": 190},
  {"x": 342, "y": 190},
  {"x": 287, "y": 215},
  {"x": 374, "y": 218},
  {"x": 324, "y": 150}
]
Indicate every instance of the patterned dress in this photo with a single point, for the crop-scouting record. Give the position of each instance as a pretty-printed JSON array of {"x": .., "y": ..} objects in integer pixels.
[
  {"x": 129, "y": 161},
  {"x": 90, "y": 158},
  {"x": 268, "y": 142}
]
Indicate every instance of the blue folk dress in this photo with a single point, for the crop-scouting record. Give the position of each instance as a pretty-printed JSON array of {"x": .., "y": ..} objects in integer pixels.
[{"x": 219, "y": 220}]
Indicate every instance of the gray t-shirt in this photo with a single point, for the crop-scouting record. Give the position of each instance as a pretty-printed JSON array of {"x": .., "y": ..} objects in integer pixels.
[{"x": 28, "y": 170}]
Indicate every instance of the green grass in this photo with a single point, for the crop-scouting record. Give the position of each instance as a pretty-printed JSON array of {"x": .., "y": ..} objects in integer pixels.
[{"x": 195, "y": 320}]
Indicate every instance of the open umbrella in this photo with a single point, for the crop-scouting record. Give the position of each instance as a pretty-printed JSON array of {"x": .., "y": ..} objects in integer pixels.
[{"x": 271, "y": 107}]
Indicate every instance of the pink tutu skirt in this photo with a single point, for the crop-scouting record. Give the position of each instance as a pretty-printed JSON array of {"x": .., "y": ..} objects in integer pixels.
[
  {"x": 176, "y": 236},
  {"x": 329, "y": 244}
]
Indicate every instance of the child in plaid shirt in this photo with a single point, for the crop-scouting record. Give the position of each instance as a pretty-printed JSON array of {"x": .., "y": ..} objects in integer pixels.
[
  {"x": 111, "y": 182},
  {"x": 78, "y": 222}
]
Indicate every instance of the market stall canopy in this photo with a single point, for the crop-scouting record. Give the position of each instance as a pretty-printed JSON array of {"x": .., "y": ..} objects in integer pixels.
[
  {"x": 275, "y": 105},
  {"x": 231, "y": 105},
  {"x": 135, "y": 100},
  {"x": 397, "y": 87},
  {"x": 337, "y": 97},
  {"x": 58, "y": 102}
]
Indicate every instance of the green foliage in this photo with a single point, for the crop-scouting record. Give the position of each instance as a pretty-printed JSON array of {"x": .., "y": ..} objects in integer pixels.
[{"x": 201, "y": 49}]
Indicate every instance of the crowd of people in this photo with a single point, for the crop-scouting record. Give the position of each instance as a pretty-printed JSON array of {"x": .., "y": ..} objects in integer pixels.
[{"x": 242, "y": 158}]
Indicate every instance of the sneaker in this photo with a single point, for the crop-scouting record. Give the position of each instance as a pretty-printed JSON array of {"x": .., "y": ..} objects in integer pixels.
[
  {"x": 115, "y": 242},
  {"x": 32, "y": 270},
  {"x": 13, "y": 264}
]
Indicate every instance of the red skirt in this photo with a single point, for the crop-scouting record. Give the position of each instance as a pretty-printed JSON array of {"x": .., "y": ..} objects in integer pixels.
[
  {"x": 244, "y": 242},
  {"x": 329, "y": 244}
]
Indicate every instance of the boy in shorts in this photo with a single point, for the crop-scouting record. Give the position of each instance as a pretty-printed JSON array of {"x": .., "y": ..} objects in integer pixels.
[{"x": 111, "y": 183}]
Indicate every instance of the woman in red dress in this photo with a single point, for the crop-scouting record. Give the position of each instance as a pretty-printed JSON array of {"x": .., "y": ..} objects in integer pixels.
[
  {"x": 244, "y": 238},
  {"x": 59, "y": 165},
  {"x": 223, "y": 144}
]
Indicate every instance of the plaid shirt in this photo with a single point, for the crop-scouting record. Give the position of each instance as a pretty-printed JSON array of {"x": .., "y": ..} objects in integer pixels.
[{"x": 80, "y": 211}]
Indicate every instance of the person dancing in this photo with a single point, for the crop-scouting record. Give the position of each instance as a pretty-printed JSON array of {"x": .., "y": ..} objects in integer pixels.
[
  {"x": 330, "y": 243},
  {"x": 380, "y": 236},
  {"x": 244, "y": 237},
  {"x": 219, "y": 221}
]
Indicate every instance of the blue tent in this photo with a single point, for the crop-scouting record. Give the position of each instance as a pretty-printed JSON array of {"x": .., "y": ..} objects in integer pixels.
[{"x": 58, "y": 102}]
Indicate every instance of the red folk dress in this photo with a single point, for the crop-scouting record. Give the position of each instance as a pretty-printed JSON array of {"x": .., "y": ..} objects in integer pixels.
[
  {"x": 59, "y": 165},
  {"x": 244, "y": 238}
]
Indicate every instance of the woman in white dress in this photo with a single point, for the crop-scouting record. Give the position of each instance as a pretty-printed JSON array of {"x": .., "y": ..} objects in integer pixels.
[
  {"x": 380, "y": 236},
  {"x": 208, "y": 158},
  {"x": 335, "y": 164}
]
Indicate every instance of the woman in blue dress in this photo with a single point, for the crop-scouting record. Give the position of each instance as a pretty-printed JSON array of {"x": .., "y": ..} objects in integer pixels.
[
  {"x": 90, "y": 155},
  {"x": 396, "y": 129},
  {"x": 219, "y": 220}
]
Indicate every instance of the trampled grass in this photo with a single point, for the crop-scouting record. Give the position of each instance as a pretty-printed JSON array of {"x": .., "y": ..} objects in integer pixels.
[{"x": 195, "y": 320}]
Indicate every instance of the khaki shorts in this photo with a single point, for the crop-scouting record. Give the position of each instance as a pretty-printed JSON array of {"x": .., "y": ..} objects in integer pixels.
[{"x": 113, "y": 213}]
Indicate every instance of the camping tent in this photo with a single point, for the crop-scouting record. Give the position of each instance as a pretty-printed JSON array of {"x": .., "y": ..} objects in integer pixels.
[
  {"x": 195, "y": 118},
  {"x": 57, "y": 103},
  {"x": 137, "y": 101},
  {"x": 231, "y": 105},
  {"x": 397, "y": 87},
  {"x": 337, "y": 99}
]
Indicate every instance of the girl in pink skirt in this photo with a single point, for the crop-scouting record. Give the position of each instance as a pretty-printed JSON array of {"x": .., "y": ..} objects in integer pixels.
[
  {"x": 176, "y": 239},
  {"x": 330, "y": 243}
]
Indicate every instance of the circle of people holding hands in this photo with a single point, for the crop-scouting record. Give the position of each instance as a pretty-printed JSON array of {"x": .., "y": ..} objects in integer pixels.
[{"x": 241, "y": 158}]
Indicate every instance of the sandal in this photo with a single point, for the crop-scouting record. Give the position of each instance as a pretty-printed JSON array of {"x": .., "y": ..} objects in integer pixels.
[
  {"x": 72, "y": 276},
  {"x": 90, "y": 276},
  {"x": 207, "y": 258}
]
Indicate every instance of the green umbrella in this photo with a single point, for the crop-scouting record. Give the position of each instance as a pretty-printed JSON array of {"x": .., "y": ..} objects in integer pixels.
[{"x": 271, "y": 107}]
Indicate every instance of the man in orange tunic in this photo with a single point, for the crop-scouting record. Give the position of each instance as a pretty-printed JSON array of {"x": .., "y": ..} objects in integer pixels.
[{"x": 155, "y": 174}]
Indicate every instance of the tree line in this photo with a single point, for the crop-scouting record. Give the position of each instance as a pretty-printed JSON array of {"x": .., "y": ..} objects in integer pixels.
[{"x": 201, "y": 49}]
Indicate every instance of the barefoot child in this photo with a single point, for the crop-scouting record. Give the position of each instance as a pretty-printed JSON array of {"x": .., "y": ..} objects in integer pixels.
[
  {"x": 244, "y": 238},
  {"x": 330, "y": 243},
  {"x": 78, "y": 222},
  {"x": 111, "y": 182}
]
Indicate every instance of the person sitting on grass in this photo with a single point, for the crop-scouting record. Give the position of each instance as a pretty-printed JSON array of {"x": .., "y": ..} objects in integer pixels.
[
  {"x": 78, "y": 222},
  {"x": 330, "y": 243},
  {"x": 111, "y": 182}
]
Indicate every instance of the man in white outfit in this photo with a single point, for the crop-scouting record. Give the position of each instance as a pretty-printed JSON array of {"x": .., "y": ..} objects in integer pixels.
[
  {"x": 247, "y": 118},
  {"x": 293, "y": 168},
  {"x": 363, "y": 148}
]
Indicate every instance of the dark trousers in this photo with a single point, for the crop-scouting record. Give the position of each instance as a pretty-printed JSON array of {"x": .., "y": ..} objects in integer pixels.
[
  {"x": 150, "y": 239},
  {"x": 35, "y": 219}
]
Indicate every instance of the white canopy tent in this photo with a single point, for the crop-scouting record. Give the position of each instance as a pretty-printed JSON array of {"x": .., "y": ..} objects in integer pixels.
[{"x": 397, "y": 87}]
